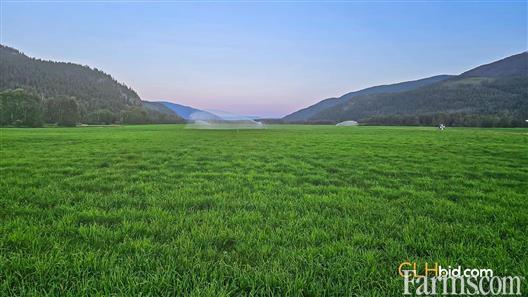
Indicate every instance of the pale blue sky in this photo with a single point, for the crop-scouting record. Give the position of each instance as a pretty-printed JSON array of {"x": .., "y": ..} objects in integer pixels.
[{"x": 266, "y": 59}]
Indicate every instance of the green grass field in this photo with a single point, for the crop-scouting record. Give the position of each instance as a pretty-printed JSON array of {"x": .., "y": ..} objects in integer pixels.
[{"x": 288, "y": 210}]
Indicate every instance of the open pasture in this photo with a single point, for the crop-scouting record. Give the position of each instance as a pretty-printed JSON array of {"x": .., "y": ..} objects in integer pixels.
[{"x": 287, "y": 210}]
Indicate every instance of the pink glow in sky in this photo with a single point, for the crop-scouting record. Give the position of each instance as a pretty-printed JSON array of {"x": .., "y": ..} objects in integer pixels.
[{"x": 265, "y": 59}]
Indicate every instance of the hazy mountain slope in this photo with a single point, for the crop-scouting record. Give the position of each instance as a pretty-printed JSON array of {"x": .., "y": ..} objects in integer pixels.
[
  {"x": 309, "y": 112},
  {"x": 157, "y": 112},
  {"x": 511, "y": 66},
  {"x": 159, "y": 107},
  {"x": 186, "y": 111}
]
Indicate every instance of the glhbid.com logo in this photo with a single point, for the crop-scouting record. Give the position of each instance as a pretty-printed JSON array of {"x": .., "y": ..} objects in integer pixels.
[{"x": 433, "y": 279}]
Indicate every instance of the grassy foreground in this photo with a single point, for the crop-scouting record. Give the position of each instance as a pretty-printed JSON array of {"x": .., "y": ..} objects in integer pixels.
[{"x": 288, "y": 210}]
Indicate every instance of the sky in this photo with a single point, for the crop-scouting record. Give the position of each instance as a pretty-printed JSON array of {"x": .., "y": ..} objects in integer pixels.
[{"x": 265, "y": 58}]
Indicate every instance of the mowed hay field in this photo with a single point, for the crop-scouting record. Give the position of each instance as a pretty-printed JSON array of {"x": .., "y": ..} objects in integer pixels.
[{"x": 287, "y": 210}]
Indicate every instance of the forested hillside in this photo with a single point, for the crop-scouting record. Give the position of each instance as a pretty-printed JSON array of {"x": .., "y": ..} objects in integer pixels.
[
  {"x": 308, "y": 113},
  {"x": 469, "y": 101},
  {"x": 491, "y": 95},
  {"x": 83, "y": 94},
  {"x": 511, "y": 66}
]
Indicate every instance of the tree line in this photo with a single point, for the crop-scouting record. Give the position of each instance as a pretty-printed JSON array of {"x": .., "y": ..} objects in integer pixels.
[
  {"x": 455, "y": 120},
  {"x": 21, "y": 108}
]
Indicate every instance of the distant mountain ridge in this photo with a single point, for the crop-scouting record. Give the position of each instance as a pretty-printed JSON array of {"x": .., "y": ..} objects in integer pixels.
[
  {"x": 491, "y": 94},
  {"x": 181, "y": 110},
  {"x": 307, "y": 113},
  {"x": 158, "y": 107},
  {"x": 494, "y": 94},
  {"x": 186, "y": 112}
]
